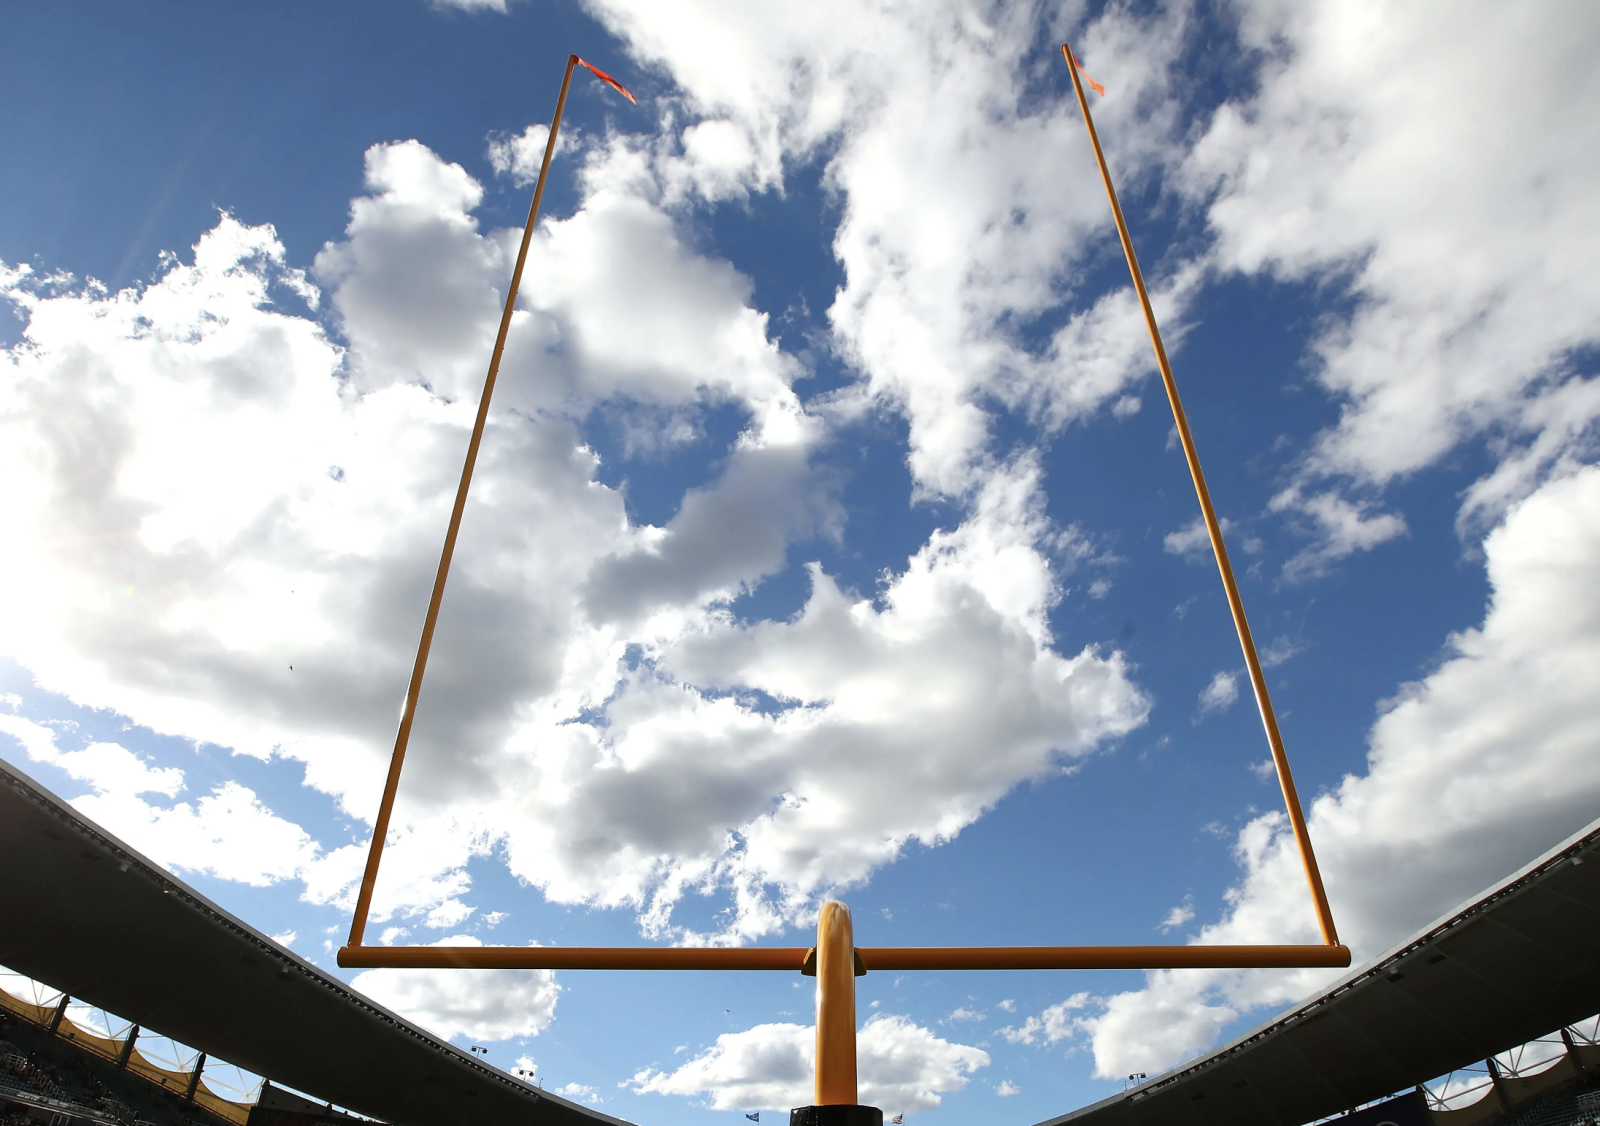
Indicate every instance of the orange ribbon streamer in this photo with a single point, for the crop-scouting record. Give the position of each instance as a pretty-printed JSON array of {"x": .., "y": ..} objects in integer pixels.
[
  {"x": 1098, "y": 89},
  {"x": 623, "y": 90}
]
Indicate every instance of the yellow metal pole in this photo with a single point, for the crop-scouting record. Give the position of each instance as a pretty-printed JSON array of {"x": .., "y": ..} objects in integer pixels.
[
  {"x": 836, "y": 1007},
  {"x": 1258, "y": 681},
  {"x": 380, "y": 828},
  {"x": 794, "y": 958}
]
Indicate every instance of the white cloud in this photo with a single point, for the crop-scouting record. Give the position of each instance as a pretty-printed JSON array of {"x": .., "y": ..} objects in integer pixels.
[
  {"x": 1192, "y": 541},
  {"x": 579, "y": 1092},
  {"x": 520, "y": 155},
  {"x": 1280, "y": 650},
  {"x": 227, "y": 833},
  {"x": 901, "y": 1067},
  {"x": 1220, "y": 694},
  {"x": 1150, "y": 1029},
  {"x": 720, "y": 160},
  {"x": 942, "y": 260},
  {"x": 447, "y": 914},
  {"x": 477, "y": 1004},
  {"x": 106, "y": 767},
  {"x": 286, "y": 938},
  {"x": 1472, "y": 771},
  {"x": 407, "y": 323},
  {"x": 1052, "y": 1025},
  {"x": 1005, "y": 1089},
  {"x": 1465, "y": 237},
  {"x": 269, "y": 603},
  {"x": 1338, "y": 526},
  {"x": 1179, "y": 915},
  {"x": 1472, "y": 296}
]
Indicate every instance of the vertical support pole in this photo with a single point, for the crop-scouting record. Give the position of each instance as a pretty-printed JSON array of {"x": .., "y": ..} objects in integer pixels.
[
  {"x": 836, "y": 1007},
  {"x": 1497, "y": 1081},
  {"x": 61, "y": 1011},
  {"x": 1572, "y": 1051},
  {"x": 194, "y": 1078},
  {"x": 127, "y": 1047}
]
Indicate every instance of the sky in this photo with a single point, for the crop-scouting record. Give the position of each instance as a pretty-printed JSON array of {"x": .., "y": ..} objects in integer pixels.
[{"x": 830, "y": 536}]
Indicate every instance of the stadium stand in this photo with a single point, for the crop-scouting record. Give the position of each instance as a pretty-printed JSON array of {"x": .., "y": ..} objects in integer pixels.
[
  {"x": 61, "y": 1072},
  {"x": 277, "y": 1107},
  {"x": 62, "y": 1076}
]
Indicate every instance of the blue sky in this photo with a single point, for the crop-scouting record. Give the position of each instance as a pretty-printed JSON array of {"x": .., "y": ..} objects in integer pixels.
[{"x": 830, "y": 538}]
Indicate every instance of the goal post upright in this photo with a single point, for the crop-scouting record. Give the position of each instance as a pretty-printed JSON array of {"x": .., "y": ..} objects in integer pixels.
[{"x": 1258, "y": 680}]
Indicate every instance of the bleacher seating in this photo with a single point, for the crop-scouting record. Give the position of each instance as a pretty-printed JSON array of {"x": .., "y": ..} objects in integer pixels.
[
  {"x": 46, "y": 1078},
  {"x": 1572, "y": 1104}
]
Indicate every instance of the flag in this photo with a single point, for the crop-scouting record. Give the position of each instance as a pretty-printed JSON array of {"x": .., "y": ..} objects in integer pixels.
[
  {"x": 1098, "y": 89},
  {"x": 617, "y": 86},
  {"x": 756, "y": 1117}
]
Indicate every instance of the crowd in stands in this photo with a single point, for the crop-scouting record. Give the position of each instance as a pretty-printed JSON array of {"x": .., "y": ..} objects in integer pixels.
[
  {"x": 1573, "y": 1103},
  {"x": 45, "y": 1079}
]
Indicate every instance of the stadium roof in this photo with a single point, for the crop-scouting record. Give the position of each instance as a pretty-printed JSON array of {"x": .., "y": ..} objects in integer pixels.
[
  {"x": 1513, "y": 964},
  {"x": 88, "y": 915}
]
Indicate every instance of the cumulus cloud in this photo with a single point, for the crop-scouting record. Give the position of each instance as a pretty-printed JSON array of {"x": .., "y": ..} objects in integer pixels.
[
  {"x": 1050, "y": 1026},
  {"x": 231, "y": 522},
  {"x": 902, "y": 1067},
  {"x": 1472, "y": 771},
  {"x": 1179, "y": 915},
  {"x": 1337, "y": 526},
  {"x": 228, "y": 833},
  {"x": 1472, "y": 310},
  {"x": 1220, "y": 694},
  {"x": 106, "y": 767},
  {"x": 477, "y": 1004},
  {"x": 943, "y": 263},
  {"x": 1470, "y": 274},
  {"x": 1192, "y": 541},
  {"x": 520, "y": 155},
  {"x": 579, "y": 1092}
]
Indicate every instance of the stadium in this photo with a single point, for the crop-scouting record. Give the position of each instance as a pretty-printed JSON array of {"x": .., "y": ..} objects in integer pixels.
[
  {"x": 1487, "y": 1016},
  {"x": 837, "y": 529}
]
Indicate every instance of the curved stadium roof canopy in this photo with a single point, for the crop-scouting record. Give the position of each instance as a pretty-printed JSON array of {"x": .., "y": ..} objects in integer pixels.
[{"x": 1512, "y": 964}]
